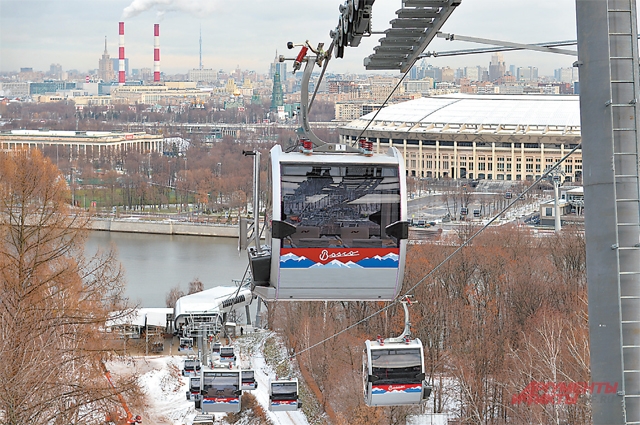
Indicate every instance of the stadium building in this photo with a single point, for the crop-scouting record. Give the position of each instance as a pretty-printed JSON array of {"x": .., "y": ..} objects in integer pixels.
[{"x": 479, "y": 137}]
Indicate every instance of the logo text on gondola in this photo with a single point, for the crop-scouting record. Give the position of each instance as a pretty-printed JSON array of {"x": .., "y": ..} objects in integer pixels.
[{"x": 325, "y": 255}]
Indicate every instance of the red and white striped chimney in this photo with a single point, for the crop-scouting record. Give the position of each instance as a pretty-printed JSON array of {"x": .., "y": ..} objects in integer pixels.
[
  {"x": 156, "y": 53},
  {"x": 121, "y": 68}
]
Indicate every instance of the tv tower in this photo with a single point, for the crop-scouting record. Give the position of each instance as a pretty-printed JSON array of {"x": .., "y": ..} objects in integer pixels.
[{"x": 200, "y": 46}]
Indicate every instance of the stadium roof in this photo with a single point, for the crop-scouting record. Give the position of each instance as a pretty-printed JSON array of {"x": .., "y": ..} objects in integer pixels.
[{"x": 478, "y": 114}]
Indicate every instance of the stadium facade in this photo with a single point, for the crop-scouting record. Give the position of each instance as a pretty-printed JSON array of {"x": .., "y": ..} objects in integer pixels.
[{"x": 479, "y": 137}]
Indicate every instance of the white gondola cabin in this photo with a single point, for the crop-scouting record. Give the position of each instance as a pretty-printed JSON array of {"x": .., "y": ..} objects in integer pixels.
[
  {"x": 394, "y": 373},
  {"x": 227, "y": 354},
  {"x": 249, "y": 380},
  {"x": 283, "y": 395},
  {"x": 193, "y": 393},
  {"x": 186, "y": 344},
  {"x": 191, "y": 367},
  {"x": 221, "y": 390},
  {"x": 338, "y": 227}
]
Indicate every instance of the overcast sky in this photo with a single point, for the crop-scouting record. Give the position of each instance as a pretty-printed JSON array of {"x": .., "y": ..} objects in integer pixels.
[{"x": 247, "y": 33}]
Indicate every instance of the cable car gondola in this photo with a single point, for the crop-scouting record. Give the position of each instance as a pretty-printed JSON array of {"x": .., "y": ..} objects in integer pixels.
[
  {"x": 393, "y": 370},
  {"x": 193, "y": 393},
  {"x": 336, "y": 217},
  {"x": 221, "y": 390},
  {"x": 248, "y": 380},
  {"x": 186, "y": 344},
  {"x": 227, "y": 354},
  {"x": 191, "y": 367},
  {"x": 283, "y": 395}
]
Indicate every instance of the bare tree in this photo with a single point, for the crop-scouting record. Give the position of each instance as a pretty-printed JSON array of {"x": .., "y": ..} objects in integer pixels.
[
  {"x": 174, "y": 295},
  {"x": 53, "y": 301},
  {"x": 195, "y": 286}
]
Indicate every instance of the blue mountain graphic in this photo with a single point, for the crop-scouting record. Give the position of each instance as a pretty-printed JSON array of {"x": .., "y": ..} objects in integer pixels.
[
  {"x": 302, "y": 263},
  {"x": 378, "y": 262},
  {"x": 335, "y": 264}
]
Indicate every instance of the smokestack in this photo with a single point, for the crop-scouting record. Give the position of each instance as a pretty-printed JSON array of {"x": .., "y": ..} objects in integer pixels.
[
  {"x": 156, "y": 53},
  {"x": 121, "y": 69}
]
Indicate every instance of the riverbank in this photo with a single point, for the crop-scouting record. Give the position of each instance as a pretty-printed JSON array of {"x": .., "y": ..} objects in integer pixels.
[{"x": 164, "y": 227}]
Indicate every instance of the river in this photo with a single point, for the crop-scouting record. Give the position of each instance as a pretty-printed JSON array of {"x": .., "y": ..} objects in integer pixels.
[{"x": 153, "y": 264}]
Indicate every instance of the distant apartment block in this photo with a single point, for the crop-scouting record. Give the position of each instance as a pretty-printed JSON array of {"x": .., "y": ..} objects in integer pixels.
[
  {"x": 528, "y": 73},
  {"x": 14, "y": 89},
  {"x": 168, "y": 93},
  {"x": 50, "y": 87},
  {"x": 351, "y": 110},
  {"x": 566, "y": 75},
  {"x": 510, "y": 89},
  {"x": 202, "y": 75},
  {"x": 471, "y": 72},
  {"x": 418, "y": 86},
  {"x": 448, "y": 75}
]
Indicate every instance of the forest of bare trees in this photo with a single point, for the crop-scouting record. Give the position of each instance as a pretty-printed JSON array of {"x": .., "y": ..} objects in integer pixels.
[
  {"x": 54, "y": 302},
  {"x": 506, "y": 311}
]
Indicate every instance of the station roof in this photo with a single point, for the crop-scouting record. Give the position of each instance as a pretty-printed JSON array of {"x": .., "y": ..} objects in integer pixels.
[
  {"x": 478, "y": 114},
  {"x": 206, "y": 302},
  {"x": 141, "y": 317}
]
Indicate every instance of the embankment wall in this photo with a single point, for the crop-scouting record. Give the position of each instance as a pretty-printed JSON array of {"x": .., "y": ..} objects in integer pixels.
[{"x": 165, "y": 228}]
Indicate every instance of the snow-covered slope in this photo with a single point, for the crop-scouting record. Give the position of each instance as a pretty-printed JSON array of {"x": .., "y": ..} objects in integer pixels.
[{"x": 165, "y": 388}]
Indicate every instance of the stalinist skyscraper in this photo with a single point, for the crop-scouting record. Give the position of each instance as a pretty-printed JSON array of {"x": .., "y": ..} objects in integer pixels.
[
  {"x": 105, "y": 65},
  {"x": 497, "y": 67}
]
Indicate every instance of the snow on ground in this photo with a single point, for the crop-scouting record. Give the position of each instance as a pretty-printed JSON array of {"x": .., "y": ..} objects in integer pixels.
[
  {"x": 262, "y": 373},
  {"x": 161, "y": 380},
  {"x": 166, "y": 388}
]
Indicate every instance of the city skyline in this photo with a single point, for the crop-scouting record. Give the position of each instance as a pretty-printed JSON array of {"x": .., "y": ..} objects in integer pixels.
[{"x": 37, "y": 33}]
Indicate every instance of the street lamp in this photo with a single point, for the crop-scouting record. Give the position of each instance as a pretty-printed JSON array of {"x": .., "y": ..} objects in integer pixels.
[{"x": 556, "y": 178}]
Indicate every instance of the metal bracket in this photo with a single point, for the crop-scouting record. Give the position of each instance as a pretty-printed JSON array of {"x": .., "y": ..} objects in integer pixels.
[{"x": 509, "y": 44}]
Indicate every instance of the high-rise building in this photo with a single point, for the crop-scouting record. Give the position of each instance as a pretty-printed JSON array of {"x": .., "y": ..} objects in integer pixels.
[
  {"x": 497, "y": 67},
  {"x": 55, "y": 71},
  {"x": 471, "y": 72},
  {"x": 279, "y": 67},
  {"x": 448, "y": 75},
  {"x": 432, "y": 72},
  {"x": 566, "y": 75},
  {"x": 527, "y": 73},
  {"x": 105, "y": 65},
  {"x": 202, "y": 75}
]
